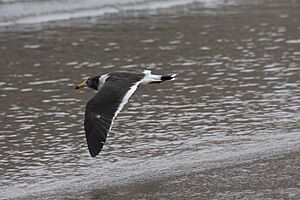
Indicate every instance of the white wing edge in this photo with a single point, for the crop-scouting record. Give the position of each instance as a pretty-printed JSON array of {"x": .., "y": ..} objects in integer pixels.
[
  {"x": 102, "y": 80},
  {"x": 125, "y": 100}
]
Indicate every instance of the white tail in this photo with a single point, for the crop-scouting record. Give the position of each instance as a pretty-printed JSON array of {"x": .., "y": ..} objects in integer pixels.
[{"x": 150, "y": 78}]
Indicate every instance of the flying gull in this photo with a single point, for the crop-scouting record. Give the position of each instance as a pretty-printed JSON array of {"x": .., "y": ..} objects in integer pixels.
[{"x": 114, "y": 90}]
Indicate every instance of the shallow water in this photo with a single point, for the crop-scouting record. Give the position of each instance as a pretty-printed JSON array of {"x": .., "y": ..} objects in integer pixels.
[
  {"x": 24, "y": 12},
  {"x": 237, "y": 86}
]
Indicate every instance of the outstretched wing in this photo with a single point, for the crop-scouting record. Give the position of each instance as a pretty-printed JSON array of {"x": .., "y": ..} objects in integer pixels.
[{"x": 105, "y": 105}]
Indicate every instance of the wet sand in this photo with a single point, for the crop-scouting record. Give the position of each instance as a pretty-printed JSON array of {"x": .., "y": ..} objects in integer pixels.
[
  {"x": 276, "y": 177},
  {"x": 162, "y": 41},
  {"x": 262, "y": 173}
]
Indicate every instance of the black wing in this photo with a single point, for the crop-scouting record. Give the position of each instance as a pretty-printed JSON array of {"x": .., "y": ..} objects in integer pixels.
[{"x": 105, "y": 105}]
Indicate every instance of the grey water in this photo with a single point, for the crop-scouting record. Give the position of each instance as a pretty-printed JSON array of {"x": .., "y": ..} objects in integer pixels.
[
  {"x": 24, "y": 12},
  {"x": 237, "y": 91}
]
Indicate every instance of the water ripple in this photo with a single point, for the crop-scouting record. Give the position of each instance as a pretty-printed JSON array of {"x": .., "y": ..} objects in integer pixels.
[{"x": 231, "y": 89}]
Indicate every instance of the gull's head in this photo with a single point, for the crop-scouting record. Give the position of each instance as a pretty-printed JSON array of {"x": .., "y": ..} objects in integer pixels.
[{"x": 92, "y": 82}]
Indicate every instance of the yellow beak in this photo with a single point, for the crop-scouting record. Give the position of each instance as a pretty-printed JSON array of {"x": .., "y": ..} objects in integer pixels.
[{"x": 80, "y": 85}]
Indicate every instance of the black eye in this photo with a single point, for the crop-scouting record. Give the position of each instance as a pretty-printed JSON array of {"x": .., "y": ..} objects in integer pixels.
[{"x": 88, "y": 82}]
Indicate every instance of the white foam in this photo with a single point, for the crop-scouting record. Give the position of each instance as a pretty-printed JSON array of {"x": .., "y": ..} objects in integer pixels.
[
  {"x": 293, "y": 41},
  {"x": 14, "y": 12},
  {"x": 48, "y": 81}
]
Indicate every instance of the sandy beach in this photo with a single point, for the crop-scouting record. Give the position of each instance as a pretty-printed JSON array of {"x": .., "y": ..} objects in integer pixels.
[
  {"x": 276, "y": 177},
  {"x": 227, "y": 128}
]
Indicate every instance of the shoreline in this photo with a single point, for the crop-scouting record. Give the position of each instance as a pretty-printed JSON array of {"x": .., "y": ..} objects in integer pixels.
[
  {"x": 227, "y": 127},
  {"x": 237, "y": 181},
  {"x": 274, "y": 177},
  {"x": 258, "y": 171},
  {"x": 99, "y": 14}
]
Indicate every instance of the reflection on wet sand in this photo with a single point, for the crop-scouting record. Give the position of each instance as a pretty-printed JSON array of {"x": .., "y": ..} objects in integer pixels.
[{"x": 237, "y": 86}]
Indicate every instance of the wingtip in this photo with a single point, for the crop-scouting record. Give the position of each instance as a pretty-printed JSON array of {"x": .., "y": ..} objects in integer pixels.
[
  {"x": 94, "y": 152},
  {"x": 94, "y": 155}
]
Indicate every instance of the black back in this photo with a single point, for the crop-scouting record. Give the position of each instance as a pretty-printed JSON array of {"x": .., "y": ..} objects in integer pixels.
[{"x": 101, "y": 109}]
